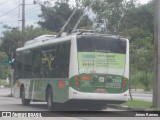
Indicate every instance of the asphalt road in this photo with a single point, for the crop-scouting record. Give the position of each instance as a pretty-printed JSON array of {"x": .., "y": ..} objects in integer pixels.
[
  {"x": 137, "y": 95},
  {"x": 141, "y": 95},
  {"x": 11, "y": 104},
  {"x": 14, "y": 104}
]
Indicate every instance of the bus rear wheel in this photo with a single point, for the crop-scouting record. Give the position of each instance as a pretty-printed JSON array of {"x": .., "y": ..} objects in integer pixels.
[
  {"x": 50, "y": 103},
  {"x": 23, "y": 99}
]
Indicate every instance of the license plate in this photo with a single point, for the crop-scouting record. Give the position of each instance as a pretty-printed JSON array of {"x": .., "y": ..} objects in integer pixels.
[{"x": 101, "y": 89}]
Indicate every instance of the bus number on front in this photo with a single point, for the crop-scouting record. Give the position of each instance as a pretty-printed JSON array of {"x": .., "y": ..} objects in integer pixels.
[{"x": 116, "y": 80}]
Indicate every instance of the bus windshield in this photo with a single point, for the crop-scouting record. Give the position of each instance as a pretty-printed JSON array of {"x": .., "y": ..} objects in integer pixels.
[{"x": 101, "y": 54}]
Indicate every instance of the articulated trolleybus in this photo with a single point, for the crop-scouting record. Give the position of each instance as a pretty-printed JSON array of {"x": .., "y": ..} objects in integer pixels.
[{"x": 89, "y": 70}]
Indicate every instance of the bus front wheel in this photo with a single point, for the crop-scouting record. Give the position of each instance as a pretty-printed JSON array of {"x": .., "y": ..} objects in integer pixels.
[
  {"x": 23, "y": 99},
  {"x": 50, "y": 99}
]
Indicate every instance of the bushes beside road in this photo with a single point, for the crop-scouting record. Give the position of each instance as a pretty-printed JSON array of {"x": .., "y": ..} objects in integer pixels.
[{"x": 3, "y": 83}]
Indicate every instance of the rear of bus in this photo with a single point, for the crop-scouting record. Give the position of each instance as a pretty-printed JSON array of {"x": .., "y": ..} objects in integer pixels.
[{"x": 99, "y": 69}]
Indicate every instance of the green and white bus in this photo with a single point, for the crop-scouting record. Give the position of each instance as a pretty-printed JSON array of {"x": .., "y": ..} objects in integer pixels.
[{"x": 80, "y": 69}]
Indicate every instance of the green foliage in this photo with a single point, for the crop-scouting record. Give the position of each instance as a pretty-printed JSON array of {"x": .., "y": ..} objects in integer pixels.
[
  {"x": 137, "y": 104},
  {"x": 109, "y": 12},
  {"x": 139, "y": 28},
  {"x": 141, "y": 56},
  {"x": 13, "y": 39},
  {"x": 31, "y": 32},
  {"x": 134, "y": 79},
  {"x": 121, "y": 15},
  {"x": 142, "y": 77},
  {"x": 141, "y": 17},
  {"x": 3, "y": 55},
  {"x": 4, "y": 83},
  {"x": 54, "y": 17},
  {"x": 3, "y": 68},
  {"x": 146, "y": 79}
]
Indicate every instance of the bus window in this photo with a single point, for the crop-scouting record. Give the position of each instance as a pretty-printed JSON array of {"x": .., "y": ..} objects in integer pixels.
[{"x": 101, "y": 55}]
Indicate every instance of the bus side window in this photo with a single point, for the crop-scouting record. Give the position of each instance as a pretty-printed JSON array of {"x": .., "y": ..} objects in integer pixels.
[
  {"x": 55, "y": 61},
  {"x": 35, "y": 63},
  {"x": 17, "y": 70}
]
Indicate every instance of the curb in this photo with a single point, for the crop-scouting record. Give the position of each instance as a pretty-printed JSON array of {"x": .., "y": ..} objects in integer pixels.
[
  {"x": 8, "y": 95},
  {"x": 127, "y": 108}
]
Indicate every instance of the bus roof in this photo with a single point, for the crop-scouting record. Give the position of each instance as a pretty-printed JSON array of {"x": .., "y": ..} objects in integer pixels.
[
  {"x": 43, "y": 41},
  {"x": 52, "y": 39}
]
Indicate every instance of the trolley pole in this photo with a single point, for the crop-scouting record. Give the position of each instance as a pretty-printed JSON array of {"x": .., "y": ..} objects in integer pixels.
[{"x": 156, "y": 82}]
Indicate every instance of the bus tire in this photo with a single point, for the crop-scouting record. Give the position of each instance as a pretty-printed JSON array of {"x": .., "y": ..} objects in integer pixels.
[
  {"x": 49, "y": 97},
  {"x": 25, "y": 101}
]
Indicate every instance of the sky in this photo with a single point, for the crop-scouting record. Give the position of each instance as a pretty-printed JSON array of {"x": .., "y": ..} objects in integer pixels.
[{"x": 11, "y": 12}]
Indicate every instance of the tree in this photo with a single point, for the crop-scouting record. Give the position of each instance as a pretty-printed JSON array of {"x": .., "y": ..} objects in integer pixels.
[
  {"x": 11, "y": 41},
  {"x": 108, "y": 12},
  {"x": 141, "y": 55},
  {"x": 141, "y": 17},
  {"x": 138, "y": 26},
  {"x": 121, "y": 15},
  {"x": 3, "y": 67},
  {"x": 31, "y": 32},
  {"x": 12, "y": 38},
  {"x": 146, "y": 79},
  {"x": 54, "y": 17}
]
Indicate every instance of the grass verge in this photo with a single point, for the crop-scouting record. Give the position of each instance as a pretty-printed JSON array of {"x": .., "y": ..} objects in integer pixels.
[
  {"x": 137, "y": 104},
  {"x": 140, "y": 104}
]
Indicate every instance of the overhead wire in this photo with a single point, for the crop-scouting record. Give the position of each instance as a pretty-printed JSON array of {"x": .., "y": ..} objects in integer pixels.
[
  {"x": 14, "y": 16},
  {"x": 10, "y": 11},
  {"x": 17, "y": 15},
  {"x": 10, "y": 21},
  {"x": 32, "y": 10},
  {"x": 10, "y": 18},
  {"x": 3, "y": 2}
]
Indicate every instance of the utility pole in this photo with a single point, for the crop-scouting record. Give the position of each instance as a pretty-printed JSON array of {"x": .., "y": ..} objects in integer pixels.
[
  {"x": 23, "y": 22},
  {"x": 11, "y": 74},
  {"x": 156, "y": 82},
  {"x": 132, "y": 2}
]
